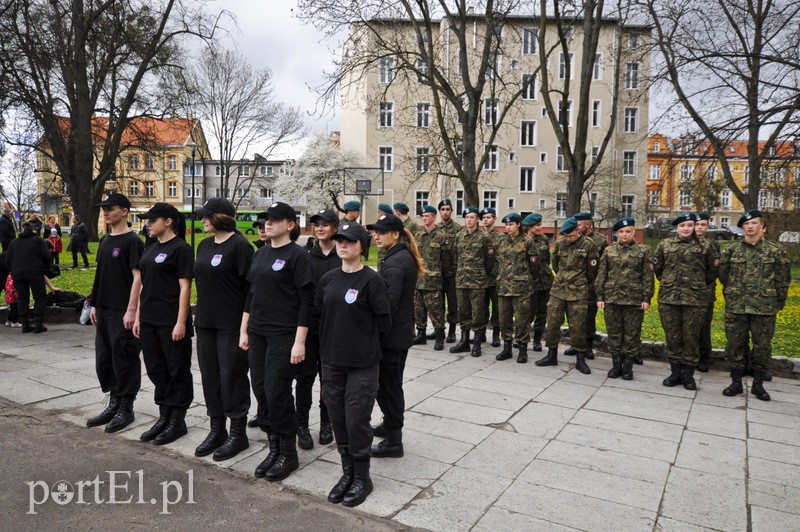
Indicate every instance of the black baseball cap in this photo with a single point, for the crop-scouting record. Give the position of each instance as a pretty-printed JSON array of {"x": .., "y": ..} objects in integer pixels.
[
  {"x": 261, "y": 218},
  {"x": 354, "y": 232},
  {"x": 161, "y": 210},
  {"x": 115, "y": 199},
  {"x": 387, "y": 222},
  {"x": 281, "y": 211},
  {"x": 326, "y": 215},
  {"x": 213, "y": 205}
]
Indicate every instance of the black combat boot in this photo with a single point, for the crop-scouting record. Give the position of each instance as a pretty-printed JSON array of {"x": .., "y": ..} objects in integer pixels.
[
  {"x": 766, "y": 375},
  {"x": 638, "y": 359},
  {"x": 123, "y": 417},
  {"x": 304, "y": 439},
  {"x": 570, "y": 352},
  {"x": 337, "y": 493},
  {"x": 550, "y": 359},
  {"x": 463, "y": 345},
  {"x": 325, "y": 431},
  {"x": 476, "y": 347},
  {"x": 616, "y": 366},
  {"x": 735, "y": 387},
  {"x": 451, "y": 333},
  {"x": 361, "y": 485},
  {"x": 438, "y": 343},
  {"x": 23, "y": 320},
  {"x": 272, "y": 456},
  {"x": 107, "y": 414},
  {"x": 675, "y": 377},
  {"x": 757, "y": 388},
  {"x": 379, "y": 430},
  {"x": 430, "y": 336},
  {"x": 175, "y": 428},
  {"x": 287, "y": 461},
  {"x": 237, "y": 441},
  {"x": 495, "y": 337},
  {"x": 589, "y": 354},
  {"x": 505, "y": 354},
  {"x": 160, "y": 424},
  {"x": 38, "y": 315},
  {"x": 391, "y": 446},
  {"x": 580, "y": 363},
  {"x": 537, "y": 341},
  {"x": 252, "y": 422},
  {"x": 216, "y": 437},
  {"x": 702, "y": 363},
  {"x": 522, "y": 356},
  {"x": 688, "y": 378},
  {"x": 627, "y": 368},
  {"x": 39, "y": 326},
  {"x": 420, "y": 338}
]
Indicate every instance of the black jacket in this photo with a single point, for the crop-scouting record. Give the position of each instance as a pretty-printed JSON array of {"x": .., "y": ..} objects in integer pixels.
[
  {"x": 399, "y": 270},
  {"x": 28, "y": 254},
  {"x": 7, "y": 231},
  {"x": 320, "y": 264}
]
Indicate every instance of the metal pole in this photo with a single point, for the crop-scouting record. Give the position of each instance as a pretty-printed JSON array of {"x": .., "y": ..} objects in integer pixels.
[{"x": 191, "y": 216}]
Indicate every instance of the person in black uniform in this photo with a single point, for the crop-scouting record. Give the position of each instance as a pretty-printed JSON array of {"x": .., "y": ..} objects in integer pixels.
[
  {"x": 400, "y": 266},
  {"x": 79, "y": 242},
  {"x": 322, "y": 258},
  {"x": 274, "y": 328},
  {"x": 28, "y": 260},
  {"x": 220, "y": 272},
  {"x": 354, "y": 311},
  {"x": 114, "y": 300},
  {"x": 164, "y": 323}
]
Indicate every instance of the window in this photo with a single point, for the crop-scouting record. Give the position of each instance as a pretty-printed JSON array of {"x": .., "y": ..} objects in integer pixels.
[
  {"x": 596, "y": 106},
  {"x": 243, "y": 193},
  {"x": 512, "y": 156},
  {"x": 530, "y": 38},
  {"x": 562, "y": 66},
  {"x": 529, "y": 86},
  {"x": 172, "y": 189},
  {"x": 422, "y": 198},
  {"x": 493, "y": 65},
  {"x": 528, "y": 133},
  {"x": 148, "y": 162},
  {"x": 244, "y": 171},
  {"x": 266, "y": 193},
  {"x": 656, "y": 146},
  {"x": 725, "y": 199},
  {"x": 543, "y": 157},
  {"x": 631, "y": 120},
  {"x": 628, "y": 202},
  {"x": 653, "y": 197},
  {"x": 459, "y": 202},
  {"x": 632, "y": 76},
  {"x": 172, "y": 162},
  {"x": 628, "y": 163},
  {"x": 561, "y": 205},
  {"x": 386, "y": 70},
  {"x": 133, "y": 188},
  {"x": 490, "y": 111},
  {"x": 746, "y": 178},
  {"x": 777, "y": 175},
  {"x": 686, "y": 172},
  {"x": 633, "y": 41},
  {"x": 423, "y": 115},
  {"x": 187, "y": 169},
  {"x": 386, "y": 114},
  {"x": 217, "y": 171},
  {"x": 711, "y": 173},
  {"x": 597, "y": 68},
  {"x": 149, "y": 189},
  {"x": 422, "y": 71},
  {"x": 542, "y": 204},
  {"x": 593, "y": 199},
  {"x": 561, "y": 165},
  {"x": 219, "y": 193},
  {"x": 266, "y": 171},
  {"x": 527, "y": 179},
  {"x": 133, "y": 162},
  {"x": 492, "y": 158},
  {"x": 386, "y": 158},
  {"x": 777, "y": 200},
  {"x": 655, "y": 172},
  {"x": 423, "y": 160},
  {"x": 511, "y": 203},
  {"x": 724, "y": 221},
  {"x": 595, "y": 153},
  {"x": 490, "y": 199},
  {"x": 762, "y": 199},
  {"x": 565, "y": 115},
  {"x": 685, "y": 198},
  {"x": 197, "y": 192}
]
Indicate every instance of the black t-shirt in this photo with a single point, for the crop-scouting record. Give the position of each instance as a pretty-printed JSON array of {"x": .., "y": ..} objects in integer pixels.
[
  {"x": 354, "y": 312},
  {"x": 220, "y": 273},
  {"x": 162, "y": 266},
  {"x": 117, "y": 255},
  {"x": 281, "y": 290}
]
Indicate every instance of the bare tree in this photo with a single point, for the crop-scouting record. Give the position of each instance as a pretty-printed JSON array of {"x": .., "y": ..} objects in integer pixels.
[
  {"x": 67, "y": 60},
  {"x": 18, "y": 182},
  {"x": 735, "y": 68}
]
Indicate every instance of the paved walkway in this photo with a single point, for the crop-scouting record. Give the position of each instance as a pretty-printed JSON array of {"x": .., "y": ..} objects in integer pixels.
[{"x": 501, "y": 446}]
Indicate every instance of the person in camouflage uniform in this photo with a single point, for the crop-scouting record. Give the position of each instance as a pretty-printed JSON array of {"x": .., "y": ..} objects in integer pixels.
[
  {"x": 575, "y": 259},
  {"x": 474, "y": 249},
  {"x": 700, "y": 228},
  {"x": 755, "y": 275},
  {"x": 401, "y": 211},
  {"x": 624, "y": 288},
  {"x": 686, "y": 268},
  {"x": 586, "y": 227},
  {"x": 517, "y": 258},
  {"x": 428, "y": 296},
  {"x": 383, "y": 208},
  {"x": 352, "y": 210},
  {"x": 489, "y": 217},
  {"x": 449, "y": 228},
  {"x": 542, "y": 278}
]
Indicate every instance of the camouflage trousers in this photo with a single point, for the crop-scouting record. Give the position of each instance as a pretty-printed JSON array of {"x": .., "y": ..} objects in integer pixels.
[
  {"x": 472, "y": 309},
  {"x": 491, "y": 298},
  {"x": 591, "y": 320},
  {"x": 739, "y": 329},
  {"x": 575, "y": 312},
  {"x": 449, "y": 291},
  {"x": 428, "y": 302},
  {"x": 624, "y": 326},
  {"x": 682, "y": 324},
  {"x": 515, "y": 318},
  {"x": 705, "y": 332},
  {"x": 539, "y": 299}
]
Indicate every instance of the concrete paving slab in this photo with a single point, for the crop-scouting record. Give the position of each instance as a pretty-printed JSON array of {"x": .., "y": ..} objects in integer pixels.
[
  {"x": 411, "y": 469},
  {"x": 759, "y": 431},
  {"x": 628, "y": 425},
  {"x": 25, "y": 391},
  {"x": 755, "y": 406},
  {"x": 665, "y": 524},
  {"x": 566, "y": 394},
  {"x": 777, "y": 452},
  {"x": 648, "y": 382},
  {"x": 447, "y": 428},
  {"x": 434, "y": 447},
  {"x": 503, "y": 453},
  {"x": 704, "y": 499},
  {"x": 728, "y": 422},
  {"x": 446, "y": 375},
  {"x": 775, "y": 496},
  {"x": 505, "y": 372},
  {"x": 482, "y": 415},
  {"x": 776, "y": 419},
  {"x": 639, "y": 405},
  {"x": 771, "y": 520},
  {"x": 492, "y": 399},
  {"x": 415, "y": 392},
  {"x": 523, "y": 391},
  {"x": 607, "y": 439},
  {"x": 541, "y": 420},
  {"x": 776, "y": 472},
  {"x": 712, "y": 454},
  {"x": 499, "y": 520},
  {"x": 712, "y": 396}
]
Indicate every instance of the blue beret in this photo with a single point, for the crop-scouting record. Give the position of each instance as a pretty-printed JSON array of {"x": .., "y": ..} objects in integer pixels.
[
  {"x": 583, "y": 216},
  {"x": 402, "y": 207},
  {"x": 488, "y": 210},
  {"x": 512, "y": 217},
  {"x": 569, "y": 225},
  {"x": 469, "y": 210},
  {"x": 685, "y": 217},
  {"x": 428, "y": 208},
  {"x": 703, "y": 216},
  {"x": 749, "y": 215},
  {"x": 624, "y": 222},
  {"x": 532, "y": 219},
  {"x": 444, "y": 202},
  {"x": 352, "y": 205},
  {"x": 385, "y": 208}
]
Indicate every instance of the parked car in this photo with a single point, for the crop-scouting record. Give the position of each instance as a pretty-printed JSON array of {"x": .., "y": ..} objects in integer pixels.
[
  {"x": 715, "y": 232},
  {"x": 737, "y": 232},
  {"x": 661, "y": 227}
]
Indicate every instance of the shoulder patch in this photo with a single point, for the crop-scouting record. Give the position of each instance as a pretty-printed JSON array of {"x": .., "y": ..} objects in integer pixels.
[
  {"x": 716, "y": 262},
  {"x": 593, "y": 262}
]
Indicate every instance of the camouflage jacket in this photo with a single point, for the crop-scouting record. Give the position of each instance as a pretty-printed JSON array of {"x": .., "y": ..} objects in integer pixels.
[
  {"x": 712, "y": 290},
  {"x": 411, "y": 226},
  {"x": 755, "y": 277},
  {"x": 543, "y": 275},
  {"x": 474, "y": 253},
  {"x": 497, "y": 237},
  {"x": 601, "y": 243},
  {"x": 625, "y": 275},
  {"x": 430, "y": 249},
  {"x": 449, "y": 230},
  {"x": 686, "y": 268},
  {"x": 575, "y": 266},
  {"x": 517, "y": 258}
]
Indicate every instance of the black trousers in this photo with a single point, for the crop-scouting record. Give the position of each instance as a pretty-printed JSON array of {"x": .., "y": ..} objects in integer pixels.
[
  {"x": 55, "y": 256},
  {"x": 25, "y": 283},
  {"x": 276, "y": 373},
  {"x": 13, "y": 313},
  {"x": 491, "y": 297},
  {"x": 116, "y": 350},
  {"x": 390, "y": 388},
  {"x": 350, "y": 395},
  {"x": 307, "y": 373},
  {"x": 169, "y": 365},
  {"x": 223, "y": 371},
  {"x": 75, "y": 257},
  {"x": 450, "y": 292},
  {"x": 591, "y": 320},
  {"x": 705, "y": 333},
  {"x": 539, "y": 300}
]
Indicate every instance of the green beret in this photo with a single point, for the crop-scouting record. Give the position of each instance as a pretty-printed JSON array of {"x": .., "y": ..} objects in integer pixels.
[
  {"x": 624, "y": 222},
  {"x": 583, "y": 216},
  {"x": 352, "y": 205},
  {"x": 444, "y": 202},
  {"x": 569, "y": 225},
  {"x": 385, "y": 208},
  {"x": 402, "y": 207},
  {"x": 428, "y": 208},
  {"x": 512, "y": 217},
  {"x": 488, "y": 210},
  {"x": 749, "y": 215},
  {"x": 685, "y": 217},
  {"x": 703, "y": 216},
  {"x": 469, "y": 210},
  {"x": 532, "y": 219}
]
